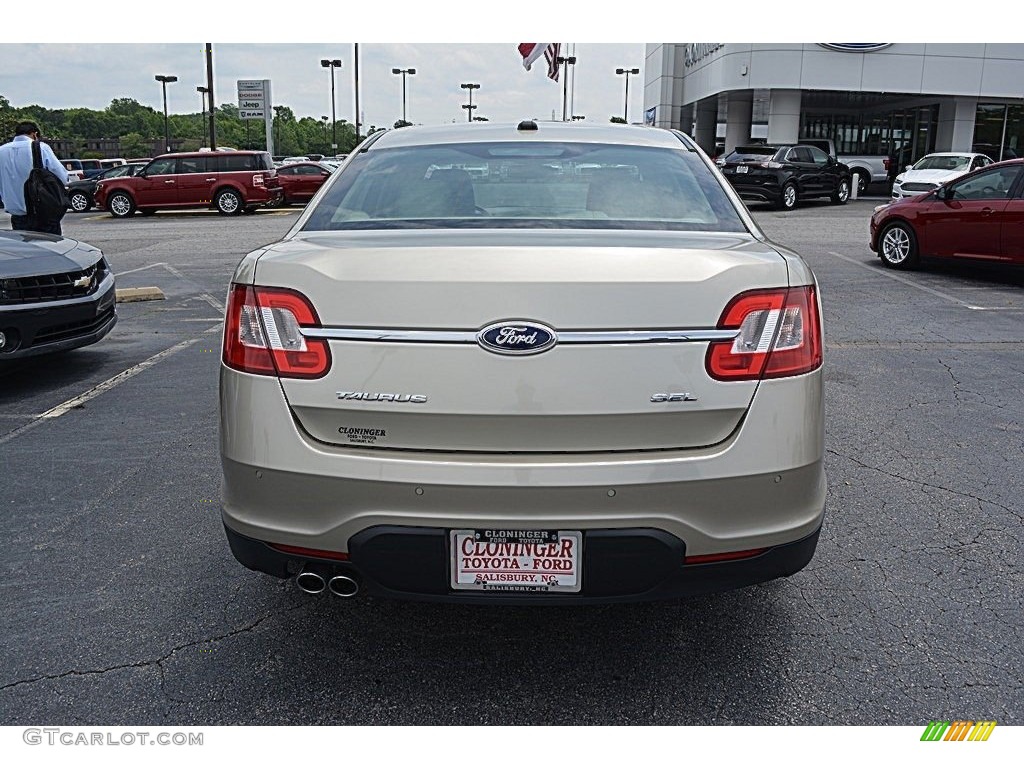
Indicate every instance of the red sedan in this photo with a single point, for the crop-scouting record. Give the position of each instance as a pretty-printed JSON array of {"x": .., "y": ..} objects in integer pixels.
[
  {"x": 978, "y": 216},
  {"x": 302, "y": 180}
]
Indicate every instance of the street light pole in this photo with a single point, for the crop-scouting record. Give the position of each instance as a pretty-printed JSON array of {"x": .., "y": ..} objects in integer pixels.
[
  {"x": 203, "y": 90},
  {"x": 332, "y": 64},
  {"x": 469, "y": 107},
  {"x": 627, "y": 73},
  {"x": 403, "y": 73},
  {"x": 355, "y": 64},
  {"x": 209, "y": 89},
  {"x": 164, "y": 80}
]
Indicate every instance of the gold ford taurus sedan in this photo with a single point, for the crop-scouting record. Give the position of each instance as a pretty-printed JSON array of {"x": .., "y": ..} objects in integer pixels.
[{"x": 536, "y": 363}]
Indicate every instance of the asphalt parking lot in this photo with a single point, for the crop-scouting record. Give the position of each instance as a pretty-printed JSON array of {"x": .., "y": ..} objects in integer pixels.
[{"x": 123, "y": 605}]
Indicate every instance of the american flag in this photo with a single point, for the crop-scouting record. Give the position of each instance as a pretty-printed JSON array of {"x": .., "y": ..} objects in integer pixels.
[{"x": 532, "y": 51}]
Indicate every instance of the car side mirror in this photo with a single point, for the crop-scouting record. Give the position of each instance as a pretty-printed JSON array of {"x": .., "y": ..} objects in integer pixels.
[{"x": 909, "y": 168}]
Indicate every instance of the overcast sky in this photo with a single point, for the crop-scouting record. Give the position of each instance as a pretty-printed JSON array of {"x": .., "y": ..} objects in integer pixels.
[
  {"x": 84, "y": 60},
  {"x": 58, "y": 75}
]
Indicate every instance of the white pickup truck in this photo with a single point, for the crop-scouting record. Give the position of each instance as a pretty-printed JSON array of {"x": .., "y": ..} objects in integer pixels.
[{"x": 870, "y": 169}]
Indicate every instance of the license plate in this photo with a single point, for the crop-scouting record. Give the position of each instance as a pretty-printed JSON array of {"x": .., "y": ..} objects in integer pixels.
[
  {"x": 741, "y": 169},
  {"x": 516, "y": 560}
]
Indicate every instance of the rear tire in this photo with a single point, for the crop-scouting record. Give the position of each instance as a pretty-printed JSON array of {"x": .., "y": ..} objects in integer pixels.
[
  {"x": 863, "y": 180},
  {"x": 788, "y": 198},
  {"x": 120, "y": 205},
  {"x": 842, "y": 192},
  {"x": 897, "y": 246},
  {"x": 228, "y": 202}
]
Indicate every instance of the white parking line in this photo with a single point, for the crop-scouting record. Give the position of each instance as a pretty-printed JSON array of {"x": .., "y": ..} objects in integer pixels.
[
  {"x": 212, "y": 301},
  {"x": 912, "y": 283},
  {"x": 99, "y": 389},
  {"x": 140, "y": 269},
  {"x": 173, "y": 271}
]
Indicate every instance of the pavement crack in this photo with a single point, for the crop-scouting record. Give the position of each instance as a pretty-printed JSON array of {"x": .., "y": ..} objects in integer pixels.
[
  {"x": 956, "y": 381},
  {"x": 925, "y": 484},
  {"x": 158, "y": 662}
]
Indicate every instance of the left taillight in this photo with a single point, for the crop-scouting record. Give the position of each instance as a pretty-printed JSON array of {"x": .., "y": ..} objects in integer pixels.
[
  {"x": 779, "y": 335},
  {"x": 263, "y": 334}
]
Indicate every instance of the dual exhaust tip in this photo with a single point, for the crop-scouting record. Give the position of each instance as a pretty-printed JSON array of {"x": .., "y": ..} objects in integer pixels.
[{"x": 313, "y": 583}]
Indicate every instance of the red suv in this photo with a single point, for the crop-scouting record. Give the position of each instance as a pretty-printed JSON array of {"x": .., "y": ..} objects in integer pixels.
[{"x": 231, "y": 182}]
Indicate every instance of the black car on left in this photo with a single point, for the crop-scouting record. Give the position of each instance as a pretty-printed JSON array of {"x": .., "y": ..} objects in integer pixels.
[
  {"x": 82, "y": 192},
  {"x": 56, "y": 294},
  {"x": 784, "y": 174}
]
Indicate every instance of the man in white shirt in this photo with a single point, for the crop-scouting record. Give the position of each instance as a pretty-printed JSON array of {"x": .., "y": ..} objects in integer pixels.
[{"x": 15, "y": 166}]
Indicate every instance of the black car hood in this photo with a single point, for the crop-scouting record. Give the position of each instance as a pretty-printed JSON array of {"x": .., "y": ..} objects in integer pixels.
[{"x": 23, "y": 254}]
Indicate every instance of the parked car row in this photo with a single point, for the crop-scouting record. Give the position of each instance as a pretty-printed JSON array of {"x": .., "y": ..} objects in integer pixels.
[
  {"x": 229, "y": 181},
  {"x": 82, "y": 193},
  {"x": 87, "y": 169}
]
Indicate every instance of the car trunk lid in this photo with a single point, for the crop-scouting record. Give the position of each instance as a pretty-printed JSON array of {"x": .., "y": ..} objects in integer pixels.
[{"x": 404, "y": 310}]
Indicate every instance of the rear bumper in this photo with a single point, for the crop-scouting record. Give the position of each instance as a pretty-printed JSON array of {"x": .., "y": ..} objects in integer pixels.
[
  {"x": 619, "y": 565},
  {"x": 275, "y": 196},
  {"x": 763, "y": 487},
  {"x": 766, "y": 190}
]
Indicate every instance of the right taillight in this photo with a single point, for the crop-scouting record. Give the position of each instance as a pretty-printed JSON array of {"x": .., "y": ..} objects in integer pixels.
[
  {"x": 779, "y": 335},
  {"x": 263, "y": 334}
]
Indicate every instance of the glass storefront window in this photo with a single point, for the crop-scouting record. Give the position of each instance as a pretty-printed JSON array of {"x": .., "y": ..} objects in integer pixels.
[
  {"x": 910, "y": 132},
  {"x": 1013, "y": 144},
  {"x": 989, "y": 121}
]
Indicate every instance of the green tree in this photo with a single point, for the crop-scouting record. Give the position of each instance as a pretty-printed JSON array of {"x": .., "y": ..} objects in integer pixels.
[
  {"x": 135, "y": 145},
  {"x": 7, "y": 119}
]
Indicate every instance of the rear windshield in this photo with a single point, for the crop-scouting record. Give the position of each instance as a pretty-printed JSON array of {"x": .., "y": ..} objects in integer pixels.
[
  {"x": 751, "y": 154},
  {"x": 257, "y": 161},
  {"x": 526, "y": 185}
]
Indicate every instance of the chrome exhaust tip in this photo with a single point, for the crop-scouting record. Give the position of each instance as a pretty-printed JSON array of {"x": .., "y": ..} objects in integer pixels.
[
  {"x": 343, "y": 586},
  {"x": 310, "y": 582}
]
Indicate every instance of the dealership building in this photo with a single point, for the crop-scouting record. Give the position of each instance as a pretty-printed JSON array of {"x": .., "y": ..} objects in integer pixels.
[{"x": 900, "y": 99}]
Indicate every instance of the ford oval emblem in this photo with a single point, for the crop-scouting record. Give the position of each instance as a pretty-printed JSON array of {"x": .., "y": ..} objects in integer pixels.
[
  {"x": 517, "y": 337},
  {"x": 855, "y": 47}
]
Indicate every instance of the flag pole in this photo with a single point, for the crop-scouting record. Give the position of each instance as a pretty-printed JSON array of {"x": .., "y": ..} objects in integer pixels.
[
  {"x": 566, "y": 61},
  {"x": 565, "y": 84},
  {"x": 572, "y": 87}
]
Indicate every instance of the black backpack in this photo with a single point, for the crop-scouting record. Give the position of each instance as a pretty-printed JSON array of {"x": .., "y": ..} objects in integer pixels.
[{"x": 45, "y": 196}]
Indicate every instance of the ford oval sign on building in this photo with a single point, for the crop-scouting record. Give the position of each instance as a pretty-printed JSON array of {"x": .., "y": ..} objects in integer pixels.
[
  {"x": 516, "y": 337},
  {"x": 855, "y": 47}
]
